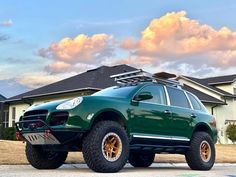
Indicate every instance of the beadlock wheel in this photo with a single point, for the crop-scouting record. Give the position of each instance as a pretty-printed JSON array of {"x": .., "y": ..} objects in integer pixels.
[{"x": 111, "y": 147}]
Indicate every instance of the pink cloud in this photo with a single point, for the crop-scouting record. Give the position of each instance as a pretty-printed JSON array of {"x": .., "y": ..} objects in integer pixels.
[
  {"x": 81, "y": 49},
  {"x": 175, "y": 36}
]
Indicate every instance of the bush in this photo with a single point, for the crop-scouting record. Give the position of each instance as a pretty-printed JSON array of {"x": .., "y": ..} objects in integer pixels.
[
  {"x": 9, "y": 133},
  {"x": 231, "y": 132}
]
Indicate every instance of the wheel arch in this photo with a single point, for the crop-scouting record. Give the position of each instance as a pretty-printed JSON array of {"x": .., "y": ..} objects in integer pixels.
[
  {"x": 109, "y": 114},
  {"x": 203, "y": 127}
]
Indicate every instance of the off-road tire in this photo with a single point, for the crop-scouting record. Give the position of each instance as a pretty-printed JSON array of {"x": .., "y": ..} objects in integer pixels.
[
  {"x": 93, "y": 151},
  {"x": 41, "y": 159},
  {"x": 193, "y": 155},
  {"x": 141, "y": 159}
]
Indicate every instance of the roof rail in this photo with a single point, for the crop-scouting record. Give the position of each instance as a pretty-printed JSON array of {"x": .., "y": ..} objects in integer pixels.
[{"x": 142, "y": 76}]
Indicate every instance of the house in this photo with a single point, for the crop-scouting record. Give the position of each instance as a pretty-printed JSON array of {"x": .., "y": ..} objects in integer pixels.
[
  {"x": 218, "y": 94},
  {"x": 3, "y": 116}
]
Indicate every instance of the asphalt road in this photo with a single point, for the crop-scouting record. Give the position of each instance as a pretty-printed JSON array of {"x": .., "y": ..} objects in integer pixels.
[{"x": 81, "y": 170}]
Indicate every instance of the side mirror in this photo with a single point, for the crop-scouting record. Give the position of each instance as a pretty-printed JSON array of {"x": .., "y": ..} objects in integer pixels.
[{"x": 143, "y": 96}]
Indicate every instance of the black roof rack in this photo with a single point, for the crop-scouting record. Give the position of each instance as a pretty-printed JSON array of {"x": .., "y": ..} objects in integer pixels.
[{"x": 142, "y": 76}]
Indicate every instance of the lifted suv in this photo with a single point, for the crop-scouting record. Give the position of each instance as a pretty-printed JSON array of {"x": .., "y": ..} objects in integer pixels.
[{"x": 131, "y": 122}]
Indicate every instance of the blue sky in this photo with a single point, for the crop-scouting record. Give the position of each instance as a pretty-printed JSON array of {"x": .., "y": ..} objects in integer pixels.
[{"x": 28, "y": 27}]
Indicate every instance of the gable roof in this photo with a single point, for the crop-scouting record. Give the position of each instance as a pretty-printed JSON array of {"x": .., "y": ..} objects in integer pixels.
[
  {"x": 2, "y": 98},
  {"x": 229, "y": 79},
  {"x": 205, "y": 83},
  {"x": 94, "y": 79},
  {"x": 202, "y": 96}
]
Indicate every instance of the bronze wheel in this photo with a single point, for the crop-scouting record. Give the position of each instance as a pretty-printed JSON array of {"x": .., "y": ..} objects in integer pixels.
[
  {"x": 205, "y": 151},
  {"x": 106, "y": 147},
  {"x": 201, "y": 153},
  {"x": 111, "y": 147}
]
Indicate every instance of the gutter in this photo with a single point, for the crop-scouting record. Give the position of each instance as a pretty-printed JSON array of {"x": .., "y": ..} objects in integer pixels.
[
  {"x": 52, "y": 93},
  {"x": 205, "y": 86}
]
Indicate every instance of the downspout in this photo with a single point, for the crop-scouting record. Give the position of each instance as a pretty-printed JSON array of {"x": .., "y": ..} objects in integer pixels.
[{"x": 212, "y": 109}]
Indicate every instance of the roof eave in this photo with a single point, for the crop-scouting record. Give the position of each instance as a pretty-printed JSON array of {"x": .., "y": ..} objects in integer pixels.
[
  {"x": 214, "y": 102},
  {"x": 221, "y": 94},
  {"x": 52, "y": 93}
]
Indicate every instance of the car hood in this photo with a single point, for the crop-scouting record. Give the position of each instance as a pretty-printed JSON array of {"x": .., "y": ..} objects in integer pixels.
[{"x": 47, "y": 106}]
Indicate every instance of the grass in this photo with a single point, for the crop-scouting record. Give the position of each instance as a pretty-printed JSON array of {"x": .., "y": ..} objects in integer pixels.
[{"x": 13, "y": 152}]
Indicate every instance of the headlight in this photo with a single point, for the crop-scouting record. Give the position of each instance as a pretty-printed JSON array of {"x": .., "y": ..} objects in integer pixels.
[{"x": 70, "y": 104}]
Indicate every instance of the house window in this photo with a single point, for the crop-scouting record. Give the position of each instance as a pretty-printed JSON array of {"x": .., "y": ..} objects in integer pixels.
[
  {"x": 5, "y": 119},
  {"x": 13, "y": 115}
]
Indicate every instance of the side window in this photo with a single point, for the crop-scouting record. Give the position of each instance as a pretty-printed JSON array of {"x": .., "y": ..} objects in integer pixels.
[
  {"x": 178, "y": 98},
  {"x": 194, "y": 101},
  {"x": 157, "y": 92}
]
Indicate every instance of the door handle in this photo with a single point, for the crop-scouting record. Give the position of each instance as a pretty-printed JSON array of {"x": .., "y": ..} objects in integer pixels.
[
  {"x": 167, "y": 112},
  {"x": 193, "y": 115}
]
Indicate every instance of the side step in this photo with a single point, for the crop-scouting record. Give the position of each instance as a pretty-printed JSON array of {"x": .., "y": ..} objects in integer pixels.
[{"x": 176, "y": 149}]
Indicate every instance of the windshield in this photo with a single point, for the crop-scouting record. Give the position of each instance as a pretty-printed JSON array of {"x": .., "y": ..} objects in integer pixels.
[{"x": 116, "y": 91}]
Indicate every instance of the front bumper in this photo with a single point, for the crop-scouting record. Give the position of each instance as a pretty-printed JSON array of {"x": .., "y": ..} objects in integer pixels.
[{"x": 46, "y": 135}]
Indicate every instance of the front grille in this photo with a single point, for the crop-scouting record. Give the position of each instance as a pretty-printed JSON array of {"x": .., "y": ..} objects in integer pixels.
[{"x": 35, "y": 115}]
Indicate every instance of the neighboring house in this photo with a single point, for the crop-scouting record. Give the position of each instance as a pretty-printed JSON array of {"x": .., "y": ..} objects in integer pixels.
[
  {"x": 3, "y": 116},
  {"x": 218, "y": 95}
]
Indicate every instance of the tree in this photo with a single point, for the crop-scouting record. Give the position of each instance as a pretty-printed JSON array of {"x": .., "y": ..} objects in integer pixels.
[{"x": 231, "y": 132}]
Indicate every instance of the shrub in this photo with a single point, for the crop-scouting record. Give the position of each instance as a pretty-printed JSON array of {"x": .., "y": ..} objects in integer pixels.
[
  {"x": 9, "y": 133},
  {"x": 231, "y": 132}
]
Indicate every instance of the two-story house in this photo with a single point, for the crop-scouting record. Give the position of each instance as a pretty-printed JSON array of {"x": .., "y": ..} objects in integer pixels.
[{"x": 218, "y": 95}]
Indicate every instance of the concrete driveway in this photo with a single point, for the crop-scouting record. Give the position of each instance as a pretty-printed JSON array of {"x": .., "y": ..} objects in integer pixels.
[{"x": 81, "y": 170}]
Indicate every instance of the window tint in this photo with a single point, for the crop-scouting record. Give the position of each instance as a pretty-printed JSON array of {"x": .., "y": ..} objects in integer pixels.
[
  {"x": 157, "y": 92},
  {"x": 178, "y": 98},
  {"x": 116, "y": 91},
  {"x": 196, "y": 105}
]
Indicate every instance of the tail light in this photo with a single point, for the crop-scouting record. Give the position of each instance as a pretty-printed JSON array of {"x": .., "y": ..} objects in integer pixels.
[{"x": 213, "y": 122}]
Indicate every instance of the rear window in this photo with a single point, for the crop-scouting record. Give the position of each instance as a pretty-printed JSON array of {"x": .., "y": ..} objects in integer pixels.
[
  {"x": 196, "y": 103},
  {"x": 178, "y": 98}
]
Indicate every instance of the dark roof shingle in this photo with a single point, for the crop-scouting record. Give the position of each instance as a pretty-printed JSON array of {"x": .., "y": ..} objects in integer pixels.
[
  {"x": 202, "y": 96},
  {"x": 205, "y": 82},
  {"x": 2, "y": 98},
  {"x": 98, "y": 78}
]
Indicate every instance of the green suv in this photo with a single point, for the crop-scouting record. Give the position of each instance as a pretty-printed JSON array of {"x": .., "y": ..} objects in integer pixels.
[{"x": 133, "y": 121}]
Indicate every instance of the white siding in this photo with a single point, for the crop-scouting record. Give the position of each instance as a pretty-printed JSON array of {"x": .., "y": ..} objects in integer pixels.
[
  {"x": 19, "y": 111},
  {"x": 221, "y": 112}
]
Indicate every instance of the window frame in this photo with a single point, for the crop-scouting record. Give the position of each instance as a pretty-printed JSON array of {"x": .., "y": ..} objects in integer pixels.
[
  {"x": 13, "y": 115},
  {"x": 201, "y": 108},
  {"x": 145, "y": 101},
  {"x": 5, "y": 121},
  {"x": 185, "y": 94}
]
